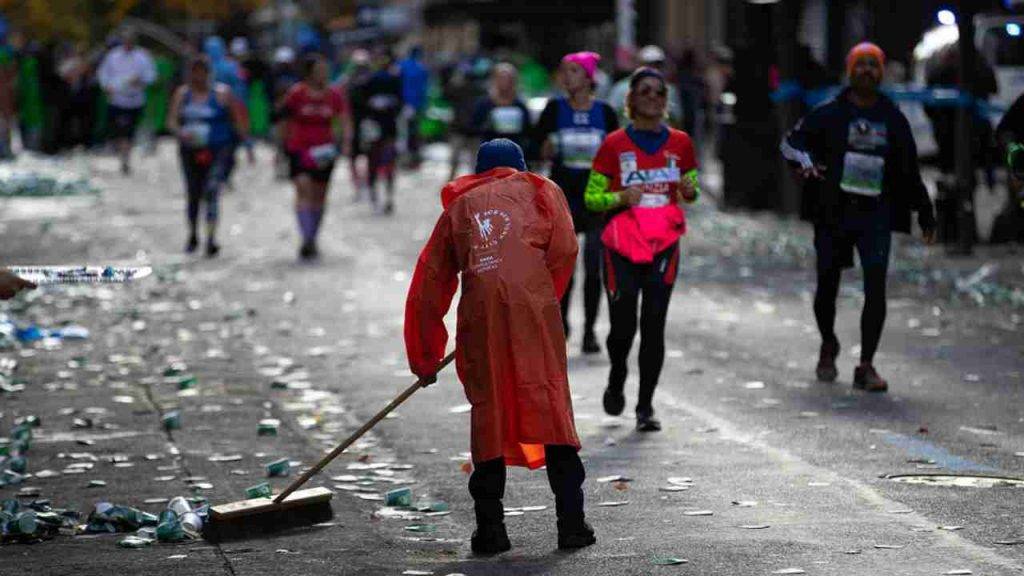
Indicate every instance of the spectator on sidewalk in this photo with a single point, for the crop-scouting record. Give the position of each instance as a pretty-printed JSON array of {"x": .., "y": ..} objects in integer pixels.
[
  {"x": 859, "y": 160},
  {"x": 509, "y": 235},
  {"x": 125, "y": 72}
]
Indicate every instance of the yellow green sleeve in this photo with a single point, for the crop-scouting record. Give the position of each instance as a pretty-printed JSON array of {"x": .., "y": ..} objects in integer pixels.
[
  {"x": 597, "y": 196},
  {"x": 694, "y": 179}
]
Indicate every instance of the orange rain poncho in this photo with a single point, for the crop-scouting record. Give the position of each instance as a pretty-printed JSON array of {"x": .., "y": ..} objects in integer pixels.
[{"x": 511, "y": 237}]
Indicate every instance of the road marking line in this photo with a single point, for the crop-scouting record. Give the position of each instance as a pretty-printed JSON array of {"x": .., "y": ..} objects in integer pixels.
[{"x": 730, "y": 432}]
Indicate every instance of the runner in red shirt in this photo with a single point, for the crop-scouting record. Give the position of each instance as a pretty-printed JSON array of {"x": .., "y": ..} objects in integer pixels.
[
  {"x": 315, "y": 115},
  {"x": 639, "y": 177}
]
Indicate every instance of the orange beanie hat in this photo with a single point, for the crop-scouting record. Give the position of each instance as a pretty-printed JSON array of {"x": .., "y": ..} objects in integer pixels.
[{"x": 864, "y": 49}]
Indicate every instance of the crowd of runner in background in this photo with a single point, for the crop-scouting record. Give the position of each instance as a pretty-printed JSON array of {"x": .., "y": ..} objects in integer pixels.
[{"x": 60, "y": 96}]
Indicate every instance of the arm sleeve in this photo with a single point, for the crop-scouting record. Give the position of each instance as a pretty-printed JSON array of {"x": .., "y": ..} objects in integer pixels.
[
  {"x": 598, "y": 196},
  {"x": 796, "y": 146},
  {"x": 911, "y": 177},
  {"x": 433, "y": 286},
  {"x": 562, "y": 246}
]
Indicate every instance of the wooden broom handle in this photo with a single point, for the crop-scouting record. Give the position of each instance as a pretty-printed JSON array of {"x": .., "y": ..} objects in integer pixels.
[{"x": 357, "y": 434}]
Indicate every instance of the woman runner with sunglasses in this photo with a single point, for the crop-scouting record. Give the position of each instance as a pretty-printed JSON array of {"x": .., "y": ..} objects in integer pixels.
[{"x": 639, "y": 177}]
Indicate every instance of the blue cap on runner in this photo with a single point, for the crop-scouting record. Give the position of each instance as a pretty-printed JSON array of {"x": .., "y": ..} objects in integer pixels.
[{"x": 499, "y": 152}]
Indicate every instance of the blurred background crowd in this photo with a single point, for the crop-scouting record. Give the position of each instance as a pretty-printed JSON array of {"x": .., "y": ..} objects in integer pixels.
[{"x": 741, "y": 71}]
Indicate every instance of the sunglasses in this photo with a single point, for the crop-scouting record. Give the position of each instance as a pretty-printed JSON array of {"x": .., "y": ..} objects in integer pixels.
[{"x": 648, "y": 91}]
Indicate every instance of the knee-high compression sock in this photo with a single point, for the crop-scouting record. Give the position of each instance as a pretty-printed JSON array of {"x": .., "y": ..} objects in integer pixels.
[
  {"x": 318, "y": 217},
  {"x": 307, "y": 223}
]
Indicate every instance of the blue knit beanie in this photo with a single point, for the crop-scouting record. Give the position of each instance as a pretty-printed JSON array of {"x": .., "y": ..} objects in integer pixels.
[{"x": 499, "y": 152}]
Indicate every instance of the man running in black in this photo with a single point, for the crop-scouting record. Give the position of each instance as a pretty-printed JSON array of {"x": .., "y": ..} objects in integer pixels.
[{"x": 859, "y": 159}]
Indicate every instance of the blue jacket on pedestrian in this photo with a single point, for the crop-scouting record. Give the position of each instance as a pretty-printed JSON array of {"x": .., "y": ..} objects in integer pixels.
[
  {"x": 415, "y": 79},
  {"x": 869, "y": 152}
]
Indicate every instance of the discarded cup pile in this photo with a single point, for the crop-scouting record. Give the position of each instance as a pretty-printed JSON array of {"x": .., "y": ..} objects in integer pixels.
[{"x": 36, "y": 184}]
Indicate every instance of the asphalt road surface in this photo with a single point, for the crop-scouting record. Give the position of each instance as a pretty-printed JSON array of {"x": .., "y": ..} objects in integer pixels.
[{"x": 784, "y": 473}]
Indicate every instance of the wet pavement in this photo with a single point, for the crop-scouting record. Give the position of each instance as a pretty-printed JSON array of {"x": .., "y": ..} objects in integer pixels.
[{"x": 759, "y": 470}]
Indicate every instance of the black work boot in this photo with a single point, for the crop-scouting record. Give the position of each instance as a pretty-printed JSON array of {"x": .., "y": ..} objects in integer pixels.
[
  {"x": 575, "y": 533},
  {"x": 491, "y": 539},
  {"x": 490, "y": 536}
]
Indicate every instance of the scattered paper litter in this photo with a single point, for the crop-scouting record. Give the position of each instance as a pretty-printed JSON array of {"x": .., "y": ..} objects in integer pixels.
[
  {"x": 790, "y": 571},
  {"x": 461, "y": 409},
  {"x": 610, "y": 503},
  {"x": 698, "y": 513}
]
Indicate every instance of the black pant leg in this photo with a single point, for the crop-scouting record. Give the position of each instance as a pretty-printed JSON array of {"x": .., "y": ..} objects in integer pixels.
[
  {"x": 591, "y": 278},
  {"x": 657, "y": 293},
  {"x": 487, "y": 487},
  {"x": 622, "y": 283},
  {"x": 565, "y": 476}
]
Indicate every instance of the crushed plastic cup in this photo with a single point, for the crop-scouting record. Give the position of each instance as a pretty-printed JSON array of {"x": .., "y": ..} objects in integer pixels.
[
  {"x": 179, "y": 505},
  {"x": 134, "y": 542},
  {"x": 191, "y": 523},
  {"x": 261, "y": 490},
  {"x": 278, "y": 468},
  {"x": 171, "y": 420},
  {"x": 400, "y": 497},
  {"x": 169, "y": 529},
  {"x": 268, "y": 427}
]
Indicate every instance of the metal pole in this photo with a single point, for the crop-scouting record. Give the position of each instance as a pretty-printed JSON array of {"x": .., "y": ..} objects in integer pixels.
[
  {"x": 625, "y": 27},
  {"x": 964, "y": 161}
]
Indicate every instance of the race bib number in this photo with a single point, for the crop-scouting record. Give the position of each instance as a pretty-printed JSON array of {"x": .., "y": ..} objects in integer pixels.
[
  {"x": 579, "y": 146},
  {"x": 369, "y": 130},
  {"x": 196, "y": 134},
  {"x": 507, "y": 120},
  {"x": 652, "y": 201},
  {"x": 862, "y": 174},
  {"x": 324, "y": 154}
]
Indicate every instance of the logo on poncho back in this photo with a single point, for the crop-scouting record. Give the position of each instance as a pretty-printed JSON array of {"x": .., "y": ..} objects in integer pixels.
[{"x": 492, "y": 226}]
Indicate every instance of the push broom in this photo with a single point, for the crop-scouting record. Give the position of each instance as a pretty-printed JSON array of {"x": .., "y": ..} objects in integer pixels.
[{"x": 293, "y": 507}]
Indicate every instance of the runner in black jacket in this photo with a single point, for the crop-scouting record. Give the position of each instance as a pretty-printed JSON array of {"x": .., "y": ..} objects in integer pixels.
[{"x": 859, "y": 159}]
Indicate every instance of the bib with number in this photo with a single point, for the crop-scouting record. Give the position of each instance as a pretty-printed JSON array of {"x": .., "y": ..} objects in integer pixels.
[
  {"x": 862, "y": 174},
  {"x": 507, "y": 120},
  {"x": 370, "y": 130}
]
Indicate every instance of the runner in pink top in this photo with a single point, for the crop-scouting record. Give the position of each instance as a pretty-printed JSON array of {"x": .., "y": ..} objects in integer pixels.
[{"x": 315, "y": 118}]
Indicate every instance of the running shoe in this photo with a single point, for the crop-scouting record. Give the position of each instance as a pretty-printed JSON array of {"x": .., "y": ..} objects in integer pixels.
[
  {"x": 389, "y": 208},
  {"x": 646, "y": 422},
  {"x": 866, "y": 378},
  {"x": 614, "y": 400},
  {"x": 490, "y": 539},
  {"x": 590, "y": 345},
  {"x": 192, "y": 244},
  {"x": 212, "y": 249},
  {"x": 309, "y": 251},
  {"x": 575, "y": 535},
  {"x": 826, "y": 370}
]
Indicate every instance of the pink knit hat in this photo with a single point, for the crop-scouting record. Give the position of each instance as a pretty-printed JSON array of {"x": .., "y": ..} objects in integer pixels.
[{"x": 587, "y": 60}]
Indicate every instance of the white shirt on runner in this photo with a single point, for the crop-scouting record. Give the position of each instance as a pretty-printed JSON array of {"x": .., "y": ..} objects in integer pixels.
[{"x": 124, "y": 75}]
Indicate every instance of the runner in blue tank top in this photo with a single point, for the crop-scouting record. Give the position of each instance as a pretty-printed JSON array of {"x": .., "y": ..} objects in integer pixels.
[
  {"x": 206, "y": 118},
  {"x": 570, "y": 131}
]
